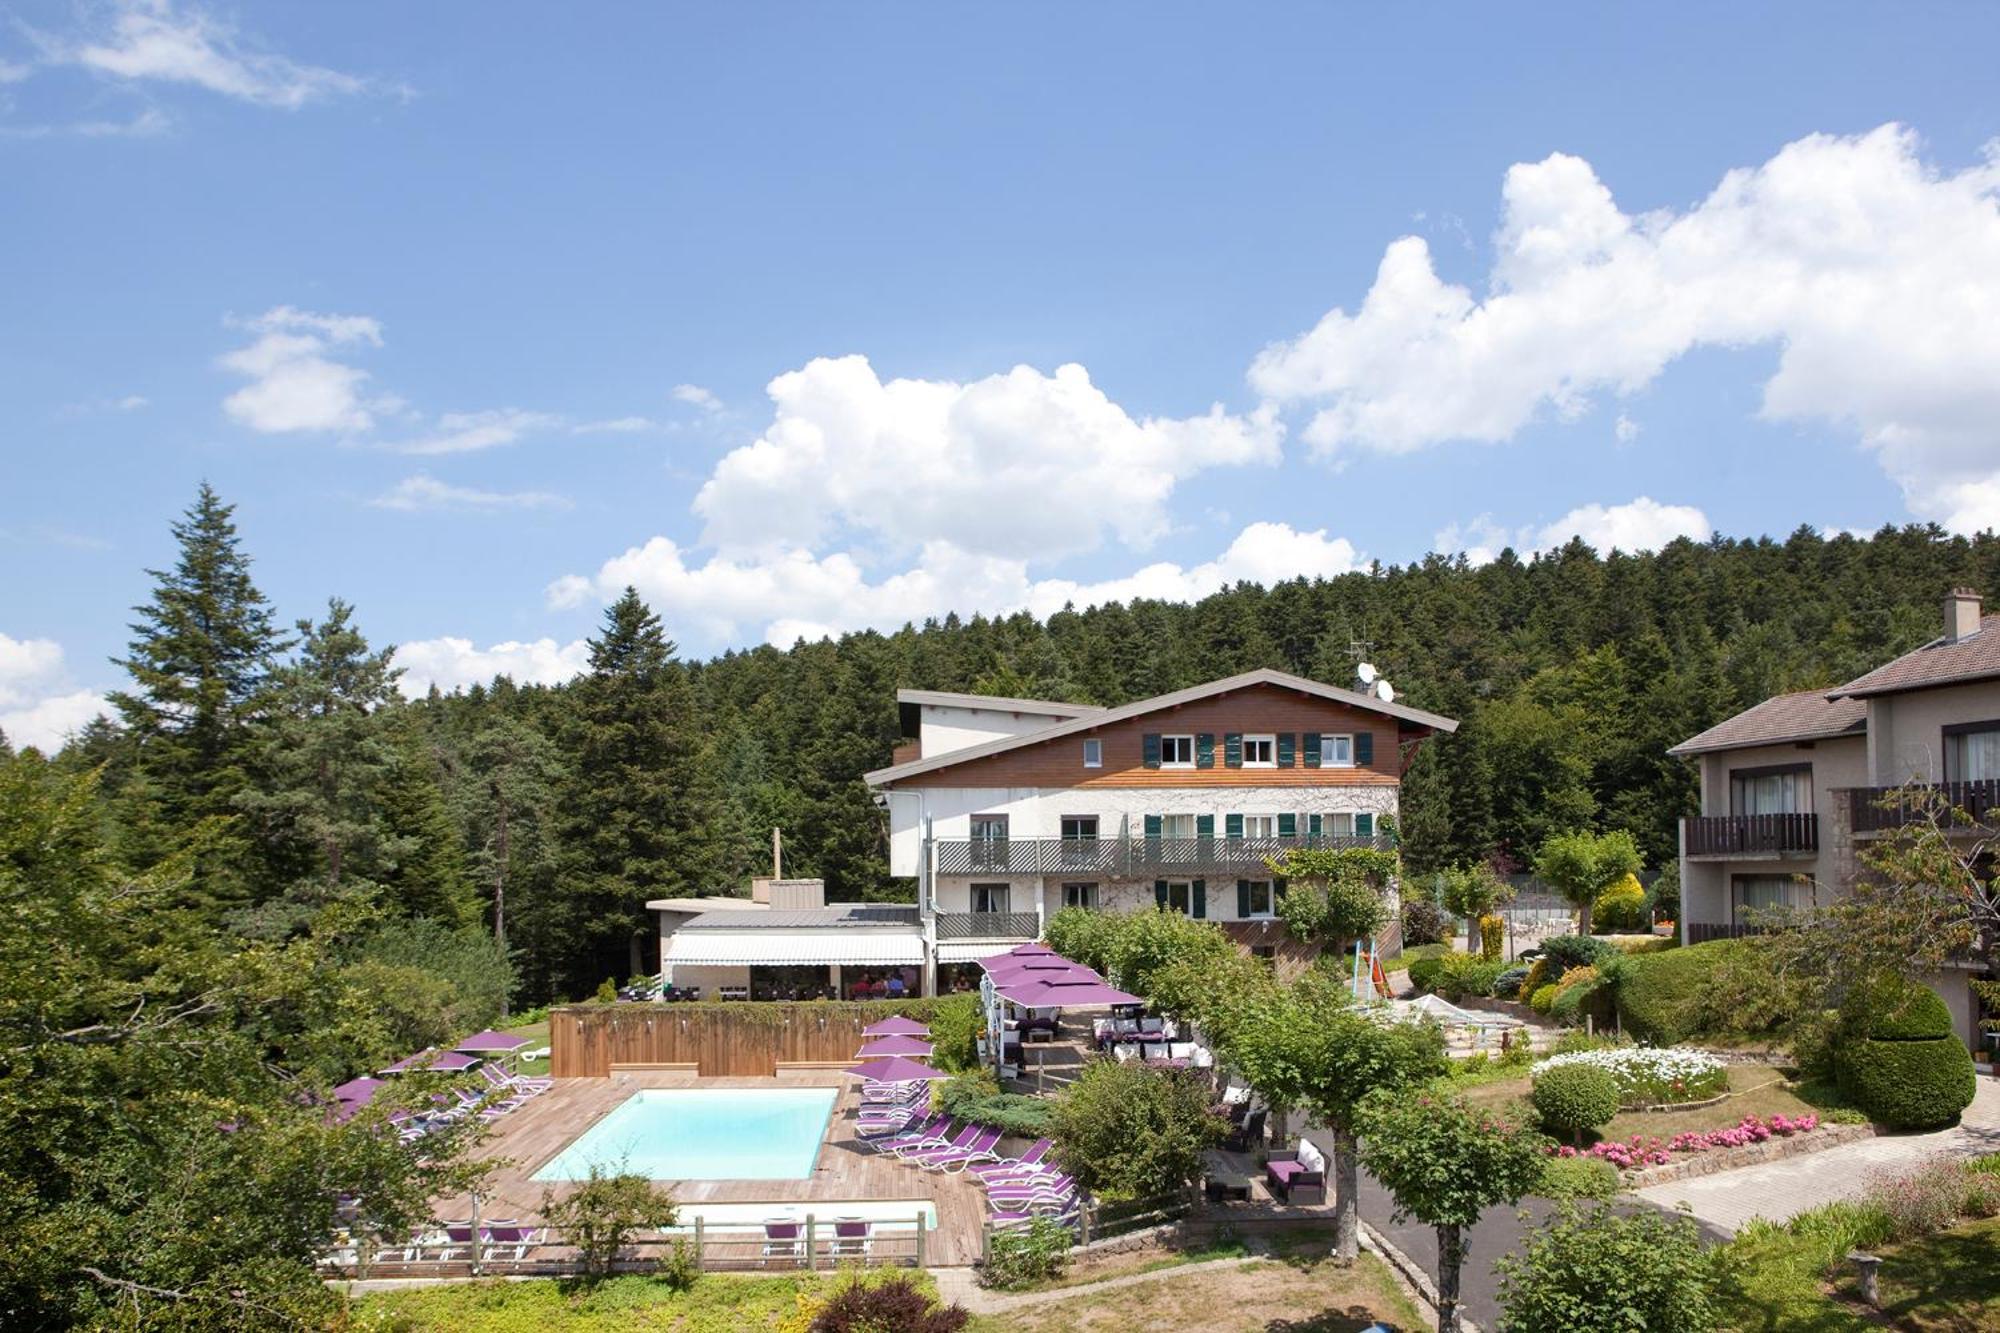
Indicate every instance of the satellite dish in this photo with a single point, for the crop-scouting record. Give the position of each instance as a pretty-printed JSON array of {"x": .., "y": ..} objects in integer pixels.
[
  {"x": 1384, "y": 692},
  {"x": 1365, "y": 672}
]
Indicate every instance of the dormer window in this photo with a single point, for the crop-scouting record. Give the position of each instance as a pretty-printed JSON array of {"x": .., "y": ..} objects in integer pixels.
[{"x": 1093, "y": 753}]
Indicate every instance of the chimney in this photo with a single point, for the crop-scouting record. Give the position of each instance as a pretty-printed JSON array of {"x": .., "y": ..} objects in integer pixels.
[{"x": 1961, "y": 615}]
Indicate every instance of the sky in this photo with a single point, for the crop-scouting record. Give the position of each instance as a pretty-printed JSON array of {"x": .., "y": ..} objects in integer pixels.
[{"x": 810, "y": 318}]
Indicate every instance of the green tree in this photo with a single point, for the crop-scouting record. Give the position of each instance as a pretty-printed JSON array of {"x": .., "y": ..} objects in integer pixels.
[
  {"x": 1129, "y": 1131},
  {"x": 1334, "y": 897},
  {"x": 600, "y": 1216},
  {"x": 505, "y": 785},
  {"x": 1582, "y": 865},
  {"x": 1607, "y": 1270},
  {"x": 1471, "y": 892},
  {"x": 1444, "y": 1163}
]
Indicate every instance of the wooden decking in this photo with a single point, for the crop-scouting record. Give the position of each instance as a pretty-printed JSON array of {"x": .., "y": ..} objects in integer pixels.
[{"x": 844, "y": 1171}]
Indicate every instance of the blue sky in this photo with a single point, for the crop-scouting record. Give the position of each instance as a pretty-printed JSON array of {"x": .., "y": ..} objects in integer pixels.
[{"x": 478, "y": 312}]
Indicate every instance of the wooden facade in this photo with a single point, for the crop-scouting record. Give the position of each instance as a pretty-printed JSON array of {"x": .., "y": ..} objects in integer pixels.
[
  {"x": 1254, "y": 710},
  {"x": 742, "y": 1040}
]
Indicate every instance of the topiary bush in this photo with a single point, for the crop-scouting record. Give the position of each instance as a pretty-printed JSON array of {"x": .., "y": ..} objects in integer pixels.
[
  {"x": 1898, "y": 1059},
  {"x": 1492, "y": 936},
  {"x": 1508, "y": 984},
  {"x": 1723, "y": 987},
  {"x": 1620, "y": 907},
  {"x": 1562, "y": 952},
  {"x": 1570, "y": 1099},
  {"x": 1543, "y": 999}
]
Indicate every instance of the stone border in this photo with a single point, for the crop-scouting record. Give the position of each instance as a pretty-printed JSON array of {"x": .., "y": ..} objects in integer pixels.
[{"x": 1749, "y": 1154}]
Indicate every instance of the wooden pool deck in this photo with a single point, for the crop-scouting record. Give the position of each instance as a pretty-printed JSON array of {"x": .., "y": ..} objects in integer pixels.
[{"x": 843, "y": 1172}]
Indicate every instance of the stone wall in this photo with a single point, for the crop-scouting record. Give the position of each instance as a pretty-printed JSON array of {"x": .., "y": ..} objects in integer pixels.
[{"x": 1750, "y": 1154}]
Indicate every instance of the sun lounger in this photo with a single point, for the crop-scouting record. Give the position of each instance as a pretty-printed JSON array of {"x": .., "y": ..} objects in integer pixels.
[
  {"x": 851, "y": 1238},
  {"x": 1038, "y": 1151},
  {"x": 1064, "y": 1213},
  {"x": 963, "y": 1139},
  {"x": 957, "y": 1159},
  {"x": 935, "y": 1133},
  {"x": 782, "y": 1240}
]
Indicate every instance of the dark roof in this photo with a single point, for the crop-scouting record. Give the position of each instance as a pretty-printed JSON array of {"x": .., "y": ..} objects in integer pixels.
[
  {"x": 1091, "y": 721},
  {"x": 845, "y": 915},
  {"x": 1974, "y": 657},
  {"x": 1807, "y": 715}
]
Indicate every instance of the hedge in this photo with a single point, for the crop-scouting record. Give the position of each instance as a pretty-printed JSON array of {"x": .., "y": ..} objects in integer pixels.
[
  {"x": 1660, "y": 996},
  {"x": 1574, "y": 1098},
  {"x": 1899, "y": 1010},
  {"x": 1424, "y": 972},
  {"x": 1908, "y": 1084}
]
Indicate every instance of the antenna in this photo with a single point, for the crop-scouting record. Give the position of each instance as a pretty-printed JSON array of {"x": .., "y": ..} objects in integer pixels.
[
  {"x": 1365, "y": 672},
  {"x": 1360, "y": 649}
]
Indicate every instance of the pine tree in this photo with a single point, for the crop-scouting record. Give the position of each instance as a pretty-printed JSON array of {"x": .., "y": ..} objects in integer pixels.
[{"x": 505, "y": 784}]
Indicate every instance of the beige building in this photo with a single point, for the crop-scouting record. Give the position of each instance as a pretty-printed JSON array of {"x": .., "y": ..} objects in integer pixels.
[{"x": 1791, "y": 788}]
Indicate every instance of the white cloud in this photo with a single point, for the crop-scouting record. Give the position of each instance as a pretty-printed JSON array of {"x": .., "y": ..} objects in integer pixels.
[
  {"x": 1642, "y": 525},
  {"x": 1875, "y": 275},
  {"x": 1625, "y": 429},
  {"x": 789, "y": 594},
  {"x": 151, "y": 40},
  {"x": 615, "y": 426},
  {"x": 424, "y": 492},
  {"x": 145, "y": 125},
  {"x": 452, "y": 663},
  {"x": 462, "y": 432},
  {"x": 696, "y": 396},
  {"x": 1021, "y": 465},
  {"x": 294, "y": 384},
  {"x": 39, "y": 705}
]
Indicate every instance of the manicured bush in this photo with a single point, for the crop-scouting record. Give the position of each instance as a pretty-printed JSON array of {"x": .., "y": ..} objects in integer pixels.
[
  {"x": 1538, "y": 976},
  {"x": 1425, "y": 972},
  {"x": 1508, "y": 984},
  {"x": 1578, "y": 1178},
  {"x": 1563, "y": 952},
  {"x": 977, "y": 1097},
  {"x": 1721, "y": 988},
  {"x": 1424, "y": 922},
  {"x": 1892, "y": 1009},
  {"x": 1602, "y": 1271},
  {"x": 1543, "y": 999},
  {"x": 1570, "y": 1099},
  {"x": 1620, "y": 907},
  {"x": 1896, "y": 1057},
  {"x": 1465, "y": 974},
  {"x": 1492, "y": 937}
]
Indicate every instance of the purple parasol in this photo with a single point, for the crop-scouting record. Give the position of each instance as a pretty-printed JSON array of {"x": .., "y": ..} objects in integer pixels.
[
  {"x": 490, "y": 1042},
  {"x": 449, "y": 1062},
  {"x": 357, "y": 1089},
  {"x": 893, "y": 1046},
  {"x": 1057, "y": 994},
  {"x": 895, "y": 1069},
  {"x": 896, "y": 1027},
  {"x": 1032, "y": 950}
]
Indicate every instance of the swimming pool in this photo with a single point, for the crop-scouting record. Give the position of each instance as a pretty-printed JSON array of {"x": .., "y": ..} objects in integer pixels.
[{"x": 703, "y": 1134}]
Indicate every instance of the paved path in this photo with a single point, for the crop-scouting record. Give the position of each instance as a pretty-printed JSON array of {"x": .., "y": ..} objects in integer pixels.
[
  {"x": 1780, "y": 1190},
  {"x": 962, "y": 1285}
]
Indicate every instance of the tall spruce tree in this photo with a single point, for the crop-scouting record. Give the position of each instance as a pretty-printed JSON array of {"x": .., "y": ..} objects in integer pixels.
[{"x": 504, "y": 784}]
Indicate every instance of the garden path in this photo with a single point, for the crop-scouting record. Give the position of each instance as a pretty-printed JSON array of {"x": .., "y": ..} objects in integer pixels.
[{"x": 1780, "y": 1190}]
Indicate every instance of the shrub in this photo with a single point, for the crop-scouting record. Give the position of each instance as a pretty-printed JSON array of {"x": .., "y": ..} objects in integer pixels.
[
  {"x": 1919, "y": 1200},
  {"x": 1508, "y": 984},
  {"x": 1570, "y": 1004},
  {"x": 600, "y": 1216},
  {"x": 1424, "y": 923},
  {"x": 1646, "y": 1075},
  {"x": 1463, "y": 974},
  {"x": 1620, "y": 907},
  {"x": 1570, "y": 1099},
  {"x": 1492, "y": 937},
  {"x": 1600, "y": 1271},
  {"x": 1543, "y": 999},
  {"x": 1426, "y": 972},
  {"x": 1724, "y": 987},
  {"x": 680, "y": 1267},
  {"x": 1022, "y": 1256},
  {"x": 1578, "y": 1178},
  {"x": 1908, "y": 1084},
  {"x": 1563, "y": 952},
  {"x": 1538, "y": 976},
  {"x": 1893, "y": 1009},
  {"x": 955, "y": 1021},
  {"x": 1127, "y": 1130},
  {"x": 894, "y": 1303},
  {"x": 977, "y": 1097}
]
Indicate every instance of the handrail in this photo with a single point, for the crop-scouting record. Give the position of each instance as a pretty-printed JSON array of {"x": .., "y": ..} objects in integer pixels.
[{"x": 1127, "y": 855}]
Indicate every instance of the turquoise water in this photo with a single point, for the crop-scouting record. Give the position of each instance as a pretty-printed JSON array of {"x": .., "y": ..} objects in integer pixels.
[{"x": 703, "y": 1134}]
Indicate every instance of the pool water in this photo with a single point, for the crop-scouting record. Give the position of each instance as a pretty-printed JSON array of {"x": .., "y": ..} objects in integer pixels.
[{"x": 703, "y": 1134}]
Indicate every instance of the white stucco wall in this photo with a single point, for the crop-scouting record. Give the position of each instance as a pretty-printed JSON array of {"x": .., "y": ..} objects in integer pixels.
[
  {"x": 1037, "y": 812},
  {"x": 943, "y": 730},
  {"x": 1906, "y": 731},
  {"x": 955, "y": 893}
]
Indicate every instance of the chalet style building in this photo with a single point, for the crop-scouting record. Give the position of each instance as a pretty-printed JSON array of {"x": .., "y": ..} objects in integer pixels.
[
  {"x": 1004, "y": 811},
  {"x": 1793, "y": 788}
]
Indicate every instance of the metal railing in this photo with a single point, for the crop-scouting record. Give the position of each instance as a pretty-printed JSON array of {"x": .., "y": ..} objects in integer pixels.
[
  {"x": 1701, "y": 932},
  {"x": 1751, "y": 835},
  {"x": 988, "y": 925},
  {"x": 1883, "y": 809},
  {"x": 1128, "y": 856}
]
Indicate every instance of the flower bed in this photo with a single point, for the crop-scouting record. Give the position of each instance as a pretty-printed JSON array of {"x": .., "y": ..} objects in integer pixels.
[
  {"x": 1638, "y": 1152},
  {"x": 1649, "y": 1075}
]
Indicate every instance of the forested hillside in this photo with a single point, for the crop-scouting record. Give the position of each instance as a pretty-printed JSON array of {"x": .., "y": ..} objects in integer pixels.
[{"x": 545, "y": 816}]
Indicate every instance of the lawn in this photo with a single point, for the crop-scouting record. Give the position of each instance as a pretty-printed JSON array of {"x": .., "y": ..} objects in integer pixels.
[
  {"x": 718, "y": 1303},
  {"x": 1940, "y": 1284},
  {"x": 1143, "y": 1261},
  {"x": 537, "y": 1036},
  {"x": 1759, "y": 1090},
  {"x": 1296, "y": 1296}
]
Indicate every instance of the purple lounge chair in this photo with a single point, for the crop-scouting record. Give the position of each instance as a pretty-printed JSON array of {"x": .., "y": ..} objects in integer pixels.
[
  {"x": 955, "y": 1158},
  {"x": 850, "y": 1237},
  {"x": 963, "y": 1138},
  {"x": 781, "y": 1240},
  {"x": 891, "y": 1137},
  {"x": 1006, "y": 1166}
]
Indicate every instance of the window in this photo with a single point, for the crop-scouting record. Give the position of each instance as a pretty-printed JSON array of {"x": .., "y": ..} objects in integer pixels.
[
  {"x": 1079, "y": 828},
  {"x": 1266, "y": 954},
  {"x": 1176, "y": 752},
  {"x": 1257, "y": 898},
  {"x": 1761, "y": 893},
  {"x": 1079, "y": 895},
  {"x": 1260, "y": 752},
  {"x": 989, "y": 840},
  {"x": 1972, "y": 752},
  {"x": 1336, "y": 751},
  {"x": 990, "y": 897},
  {"x": 1337, "y": 826},
  {"x": 1771, "y": 791},
  {"x": 1260, "y": 826},
  {"x": 1093, "y": 753},
  {"x": 1177, "y": 826},
  {"x": 1180, "y": 897}
]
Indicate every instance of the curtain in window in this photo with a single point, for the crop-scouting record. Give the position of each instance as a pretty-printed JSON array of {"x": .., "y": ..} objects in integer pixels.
[
  {"x": 1974, "y": 756},
  {"x": 1771, "y": 793}
]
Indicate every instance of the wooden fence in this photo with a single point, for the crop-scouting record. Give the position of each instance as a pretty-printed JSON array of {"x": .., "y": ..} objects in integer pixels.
[{"x": 745, "y": 1038}]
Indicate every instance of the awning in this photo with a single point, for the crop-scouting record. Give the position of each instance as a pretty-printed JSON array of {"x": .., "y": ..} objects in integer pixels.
[
  {"x": 963, "y": 953},
  {"x": 737, "y": 947}
]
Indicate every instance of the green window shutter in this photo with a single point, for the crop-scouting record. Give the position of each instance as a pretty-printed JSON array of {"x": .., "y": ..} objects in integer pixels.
[
  {"x": 1286, "y": 744},
  {"x": 1242, "y": 898},
  {"x": 1153, "y": 827},
  {"x": 1232, "y": 749},
  {"x": 1200, "y": 897},
  {"x": 1315, "y": 825},
  {"x": 1204, "y": 826},
  {"x": 1288, "y": 826},
  {"x": 1160, "y": 893},
  {"x": 1278, "y": 887},
  {"x": 1151, "y": 741},
  {"x": 1312, "y": 749},
  {"x": 1364, "y": 748},
  {"x": 1364, "y": 826},
  {"x": 1204, "y": 750},
  {"x": 1232, "y": 826}
]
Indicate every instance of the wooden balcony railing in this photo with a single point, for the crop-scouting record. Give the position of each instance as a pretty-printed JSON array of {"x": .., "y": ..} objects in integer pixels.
[
  {"x": 1701, "y": 932},
  {"x": 1751, "y": 835},
  {"x": 988, "y": 925},
  {"x": 1883, "y": 809},
  {"x": 1127, "y": 857}
]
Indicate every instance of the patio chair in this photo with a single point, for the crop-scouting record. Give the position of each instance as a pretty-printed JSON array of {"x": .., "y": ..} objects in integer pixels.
[
  {"x": 1249, "y": 1134},
  {"x": 1033, "y": 1157},
  {"x": 938, "y": 1132},
  {"x": 1125, "y": 1052},
  {"x": 782, "y": 1240},
  {"x": 1297, "y": 1175},
  {"x": 851, "y": 1238},
  {"x": 963, "y": 1139},
  {"x": 1152, "y": 1025},
  {"x": 957, "y": 1159},
  {"x": 510, "y": 1240}
]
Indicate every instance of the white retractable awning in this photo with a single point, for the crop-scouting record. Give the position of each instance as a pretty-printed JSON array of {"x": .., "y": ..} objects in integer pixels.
[
  {"x": 969, "y": 953},
  {"x": 882, "y": 947}
]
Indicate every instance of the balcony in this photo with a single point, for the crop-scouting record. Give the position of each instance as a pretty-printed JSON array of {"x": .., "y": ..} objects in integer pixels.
[
  {"x": 988, "y": 926},
  {"x": 1128, "y": 858},
  {"x": 1701, "y": 932},
  {"x": 1750, "y": 836},
  {"x": 1886, "y": 809}
]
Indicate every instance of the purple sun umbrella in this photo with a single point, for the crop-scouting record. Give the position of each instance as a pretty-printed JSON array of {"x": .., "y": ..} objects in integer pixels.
[
  {"x": 357, "y": 1090},
  {"x": 490, "y": 1042},
  {"x": 1057, "y": 994},
  {"x": 896, "y": 1027},
  {"x": 450, "y": 1062},
  {"x": 895, "y": 1069},
  {"x": 893, "y": 1046}
]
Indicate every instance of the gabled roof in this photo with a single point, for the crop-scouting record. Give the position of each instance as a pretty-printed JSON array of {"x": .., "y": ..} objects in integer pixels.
[
  {"x": 1804, "y": 716},
  {"x": 994, "y": 703},
  {"x": 1939, "y": 662},
  {"x": 1193, "y": 694}
]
